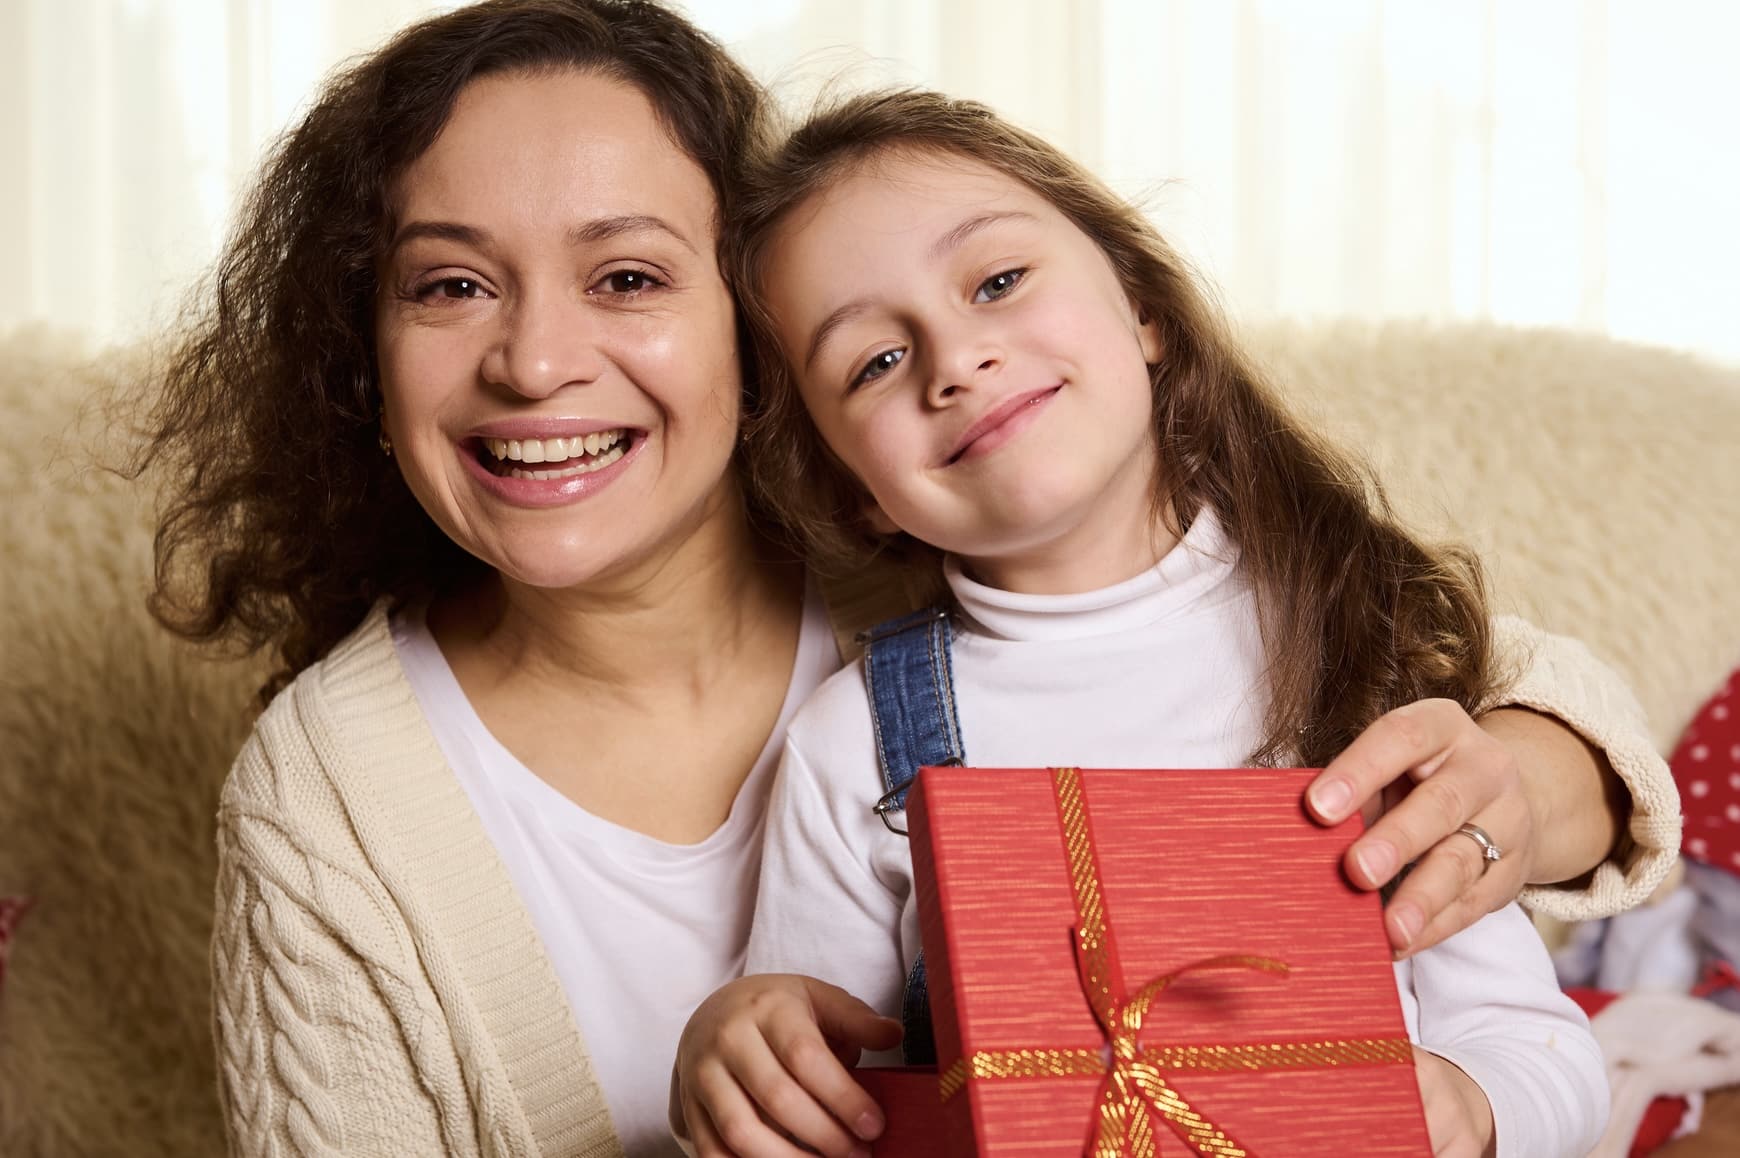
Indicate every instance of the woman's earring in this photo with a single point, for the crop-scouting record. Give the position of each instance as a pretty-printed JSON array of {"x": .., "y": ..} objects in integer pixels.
[{"x": 386, "y": 442}]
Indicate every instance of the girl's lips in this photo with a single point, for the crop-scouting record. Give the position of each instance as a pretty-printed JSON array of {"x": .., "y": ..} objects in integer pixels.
[
  {"x": 1001, "y": 424},
  {"x": 551, "y": 492}
]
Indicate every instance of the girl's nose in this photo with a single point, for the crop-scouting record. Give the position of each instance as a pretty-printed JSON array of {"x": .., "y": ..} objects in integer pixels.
[
  {"x": 550, "y": 342},
  {"x": 966, "y": 367}
]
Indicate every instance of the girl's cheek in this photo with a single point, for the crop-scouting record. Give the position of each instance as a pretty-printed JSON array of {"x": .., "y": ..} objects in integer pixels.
[{"x": 883, "y": 438}]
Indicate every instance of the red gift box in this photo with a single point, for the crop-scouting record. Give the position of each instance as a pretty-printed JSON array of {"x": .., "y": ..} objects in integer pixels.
[
  {"x": 1155, "y": 963},
  {"x": 916, "y": 1127}
]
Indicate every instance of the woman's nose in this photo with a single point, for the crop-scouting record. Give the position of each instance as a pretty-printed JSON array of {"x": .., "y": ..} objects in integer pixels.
[{"x": 550, "y": 341}]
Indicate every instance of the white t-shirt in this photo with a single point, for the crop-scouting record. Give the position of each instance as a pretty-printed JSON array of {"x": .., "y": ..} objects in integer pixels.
[
  {"x": 1165, "y": 670},
  {"x": 639, "y": 931}
]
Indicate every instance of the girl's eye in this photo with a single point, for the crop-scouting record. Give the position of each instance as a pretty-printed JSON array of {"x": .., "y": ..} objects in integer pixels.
[
  {"x": 879, "y": 365},
  {"x": 998, "y": 284},
  {"x": 452, "y": 287},
  {"x": 627, "y": 282}
]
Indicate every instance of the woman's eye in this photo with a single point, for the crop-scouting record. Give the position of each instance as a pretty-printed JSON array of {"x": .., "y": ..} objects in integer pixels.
[
  {"x": 626, "y": 282},
  {"x": 998, "y": 284},
  {"x": 879, "y": 365},
  {"x": 452, "y": 287}
]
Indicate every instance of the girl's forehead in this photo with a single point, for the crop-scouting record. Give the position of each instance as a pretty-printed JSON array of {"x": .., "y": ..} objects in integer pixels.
[
  {"x": 906, "y": 192},
  {"x": 932, "y": 173}
]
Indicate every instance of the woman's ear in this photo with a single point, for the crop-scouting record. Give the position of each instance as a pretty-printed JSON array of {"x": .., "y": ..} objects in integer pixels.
[{"x": 1148, "y": 336}]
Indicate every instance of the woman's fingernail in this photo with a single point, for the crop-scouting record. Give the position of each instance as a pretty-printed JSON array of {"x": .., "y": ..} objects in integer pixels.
[
  {"x": 868, "y": 1127},
  {"x": 1407, "y": 922},
  {"x": 1332, "y": 798},
  {"x": 1377, "y": 862}
]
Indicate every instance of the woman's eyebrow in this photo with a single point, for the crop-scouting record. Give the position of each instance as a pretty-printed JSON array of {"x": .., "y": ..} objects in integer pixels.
[
  {"x": 439, "y": 231},
  {"x": 587, "y": 232},
  {"x": 605, "y": 228}
]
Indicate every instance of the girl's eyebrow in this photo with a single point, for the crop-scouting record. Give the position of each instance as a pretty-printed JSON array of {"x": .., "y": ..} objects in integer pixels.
[
  {"x": 941, "y": 247},
  {"x": 957, "y": 236},
  {"x": 832, "y": 323}
]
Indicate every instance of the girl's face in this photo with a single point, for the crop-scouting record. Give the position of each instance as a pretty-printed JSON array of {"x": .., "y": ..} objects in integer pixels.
[
  {"x": 970, "y": 356},
  {"x": 557, "y": 347}
]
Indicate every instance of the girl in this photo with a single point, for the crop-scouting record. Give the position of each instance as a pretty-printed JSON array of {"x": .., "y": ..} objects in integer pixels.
[{"x": 1148, "y": 563}]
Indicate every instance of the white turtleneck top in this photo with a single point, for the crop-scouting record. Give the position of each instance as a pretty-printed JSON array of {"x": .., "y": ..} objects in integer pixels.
[{"x": 1164, "y": 670}]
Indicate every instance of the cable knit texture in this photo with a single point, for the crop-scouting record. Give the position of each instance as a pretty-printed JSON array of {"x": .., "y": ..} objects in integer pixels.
[
  {"x": 379, "y": 987},
  {"x": 1558, "y": 676}
]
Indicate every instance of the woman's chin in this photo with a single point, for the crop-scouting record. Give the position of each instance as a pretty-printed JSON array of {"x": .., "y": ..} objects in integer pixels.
[
  {"x": 572, "y": 561},
  {"x": 557, "y": 566}
]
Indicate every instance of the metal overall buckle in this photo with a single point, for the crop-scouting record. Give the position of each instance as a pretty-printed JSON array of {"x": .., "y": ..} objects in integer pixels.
[{"x": 886, "y": 807}]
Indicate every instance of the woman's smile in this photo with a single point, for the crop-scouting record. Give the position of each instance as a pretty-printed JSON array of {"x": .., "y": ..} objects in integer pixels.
[{"x": 551, "y": 471}]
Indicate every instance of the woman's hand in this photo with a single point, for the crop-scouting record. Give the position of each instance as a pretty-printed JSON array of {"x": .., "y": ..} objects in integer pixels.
[
  {"x": 1458, "y": 1116},
  {"x": 762, "y": 1063},
  {"x": 1433, "y": 769}
]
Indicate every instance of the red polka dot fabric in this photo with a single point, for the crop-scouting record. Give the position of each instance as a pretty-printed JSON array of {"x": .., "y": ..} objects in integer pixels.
[{"x": 1706, "y": 766}]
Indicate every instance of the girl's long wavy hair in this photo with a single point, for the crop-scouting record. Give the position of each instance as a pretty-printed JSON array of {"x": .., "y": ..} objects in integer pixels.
[
  {"x": 284, "y": 522},
  {"x": 1357, "y": 616}
]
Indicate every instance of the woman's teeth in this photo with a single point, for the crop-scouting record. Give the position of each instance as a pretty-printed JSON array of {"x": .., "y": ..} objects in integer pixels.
[
  {"x": 564, "y": 457},
  {"x": 553, "y": 449}
]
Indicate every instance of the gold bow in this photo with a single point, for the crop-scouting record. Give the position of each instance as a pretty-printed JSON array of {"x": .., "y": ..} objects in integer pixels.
[{"x": 1134, "y": 1091}]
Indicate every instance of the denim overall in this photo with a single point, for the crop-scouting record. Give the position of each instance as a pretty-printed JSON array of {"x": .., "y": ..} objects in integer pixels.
[{"x": 910, "y": 677}]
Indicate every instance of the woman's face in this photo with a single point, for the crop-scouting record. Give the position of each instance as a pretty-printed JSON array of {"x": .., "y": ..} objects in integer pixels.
[{"x": 557, "y": 347}]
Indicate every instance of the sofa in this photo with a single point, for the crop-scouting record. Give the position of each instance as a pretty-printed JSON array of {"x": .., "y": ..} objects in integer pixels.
[{"x": 1601, "y": 482}]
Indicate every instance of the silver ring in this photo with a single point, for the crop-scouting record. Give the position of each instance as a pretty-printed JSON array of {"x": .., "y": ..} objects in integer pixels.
[{"x": 1489, "y": 850}]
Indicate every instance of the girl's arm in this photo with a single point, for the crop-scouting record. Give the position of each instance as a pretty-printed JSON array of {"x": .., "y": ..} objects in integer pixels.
[
  {"x": 771, "y": 1052},
  {"x": 1489, "y": 1004},
  {"x": 1552, "y": 778},
  {"x": 764, "y": 1054}
]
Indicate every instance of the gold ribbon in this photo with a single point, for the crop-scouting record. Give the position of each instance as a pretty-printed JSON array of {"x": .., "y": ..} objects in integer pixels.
[{"x": 1134, "y": 1091}]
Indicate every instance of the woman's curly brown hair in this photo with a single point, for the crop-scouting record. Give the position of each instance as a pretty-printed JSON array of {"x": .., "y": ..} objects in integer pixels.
[
  {"x": 285, "y": 523},
  {"x": 1357, "y": 615}
]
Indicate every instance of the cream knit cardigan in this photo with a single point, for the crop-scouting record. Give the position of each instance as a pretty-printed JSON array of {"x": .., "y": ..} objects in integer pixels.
[{"x": 379, "y": 987}]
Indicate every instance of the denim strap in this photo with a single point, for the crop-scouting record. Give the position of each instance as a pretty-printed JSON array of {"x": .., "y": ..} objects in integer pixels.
[{"x": 909, "y": 672}]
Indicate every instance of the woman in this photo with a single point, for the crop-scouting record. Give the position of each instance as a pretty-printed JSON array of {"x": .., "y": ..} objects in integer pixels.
[{"x": 456, "y": 443}]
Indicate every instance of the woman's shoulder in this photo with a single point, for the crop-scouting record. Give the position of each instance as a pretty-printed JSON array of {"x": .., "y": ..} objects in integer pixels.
[{"x": 306, "y": 741}]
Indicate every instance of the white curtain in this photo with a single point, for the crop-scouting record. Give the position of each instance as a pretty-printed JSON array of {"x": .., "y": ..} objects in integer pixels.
[
  {"x": 129, "y": 127},
  {"x": 1565, "y": 162}
]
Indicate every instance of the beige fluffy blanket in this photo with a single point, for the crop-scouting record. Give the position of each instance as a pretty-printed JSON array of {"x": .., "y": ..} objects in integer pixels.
[
  {"x": 113, "y": 741},
  {"x": 1601, "y": 480}
]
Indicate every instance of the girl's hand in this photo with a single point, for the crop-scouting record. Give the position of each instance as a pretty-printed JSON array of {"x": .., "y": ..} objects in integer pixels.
[
  {"x": 762, "y": 1063},
  {"x": 1458, "y": 1116},
  {"x": 1432, "y": 769}
]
